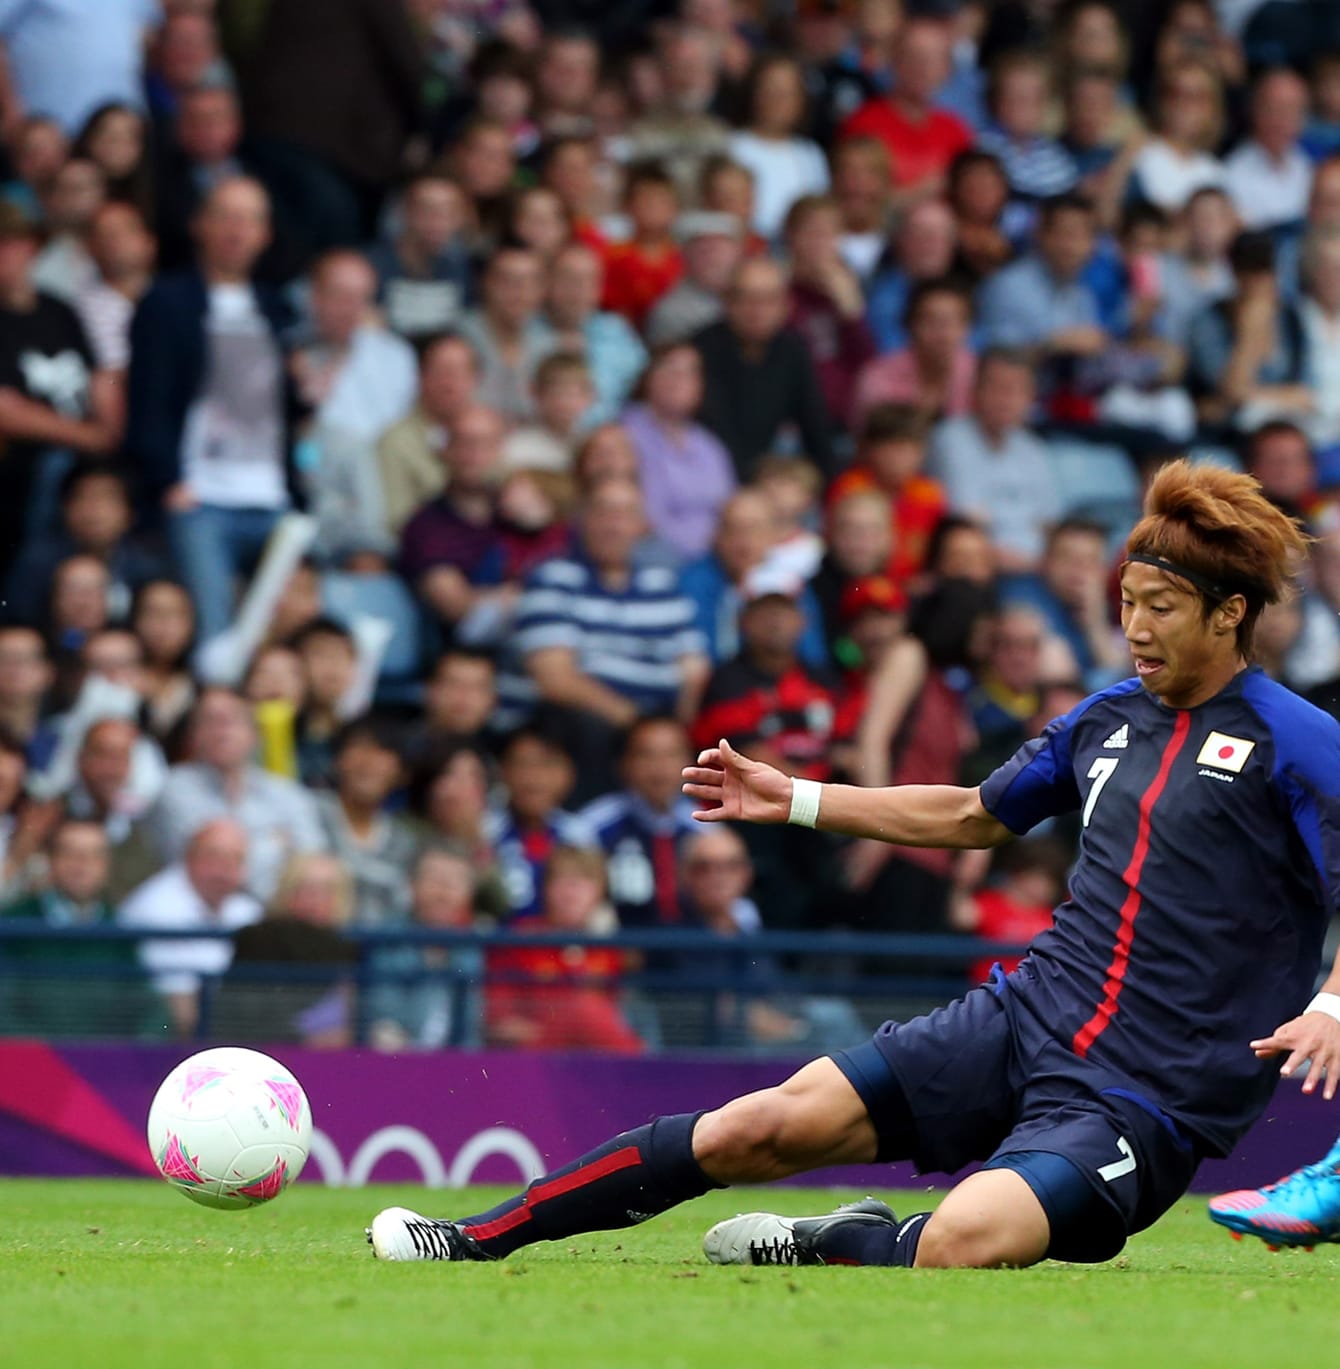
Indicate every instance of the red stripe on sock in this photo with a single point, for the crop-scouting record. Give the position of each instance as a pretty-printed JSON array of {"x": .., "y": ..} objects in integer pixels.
[
  {"x": 555, "y": 1188},
  {"x": 1130, "y": 909}
]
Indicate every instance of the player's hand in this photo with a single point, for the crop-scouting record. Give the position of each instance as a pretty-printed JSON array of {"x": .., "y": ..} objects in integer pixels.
[
  {"x": 1315, "y": 1036},
  {"x": 730, "y": 787}
]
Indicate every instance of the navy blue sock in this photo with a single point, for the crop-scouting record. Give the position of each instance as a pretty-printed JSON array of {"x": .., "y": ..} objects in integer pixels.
[
  {"x": 872, "y": 1243},
  {"x": 637, "y": 1175}
]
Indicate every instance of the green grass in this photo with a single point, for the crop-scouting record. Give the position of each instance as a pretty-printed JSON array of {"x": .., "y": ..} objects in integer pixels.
[{"x": 111, "y": 1274}]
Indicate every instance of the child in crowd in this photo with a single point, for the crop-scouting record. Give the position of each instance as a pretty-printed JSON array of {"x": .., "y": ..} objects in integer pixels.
[
  {"x": 1027, "y": 879},
  {"x": 638, "y": 272},
  {"x": 564, "y": 394},
  {"x": 794, "y": 488}
]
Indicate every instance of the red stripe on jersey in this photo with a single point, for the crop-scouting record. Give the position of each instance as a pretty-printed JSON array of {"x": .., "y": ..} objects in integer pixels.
[
  {"x": 1130, "y": 908},
  {"x": 555, "y": 1188}
]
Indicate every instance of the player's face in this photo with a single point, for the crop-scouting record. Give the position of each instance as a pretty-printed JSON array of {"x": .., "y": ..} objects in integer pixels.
[{"x": 1179, "y": 655}]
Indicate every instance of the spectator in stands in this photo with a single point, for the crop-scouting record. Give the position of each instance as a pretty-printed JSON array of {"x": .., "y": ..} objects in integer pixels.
[
  {"x": 859, "y": 547},
  {"x": 25, "y": 676},
  {"x": 123, "y": 250},
  {"x": 64, "y": 267},
  {"x": 614, "y": 353},
  {"x": 163, "y": 618},
  {"x": 539, "y": 221},
  {"x": 459, "y": 696},
  {"x": 564, "y": 395},
  {"x": 53, "y": 397},
  {"x": 1027, "y": 878},
  {"x": 683, "y": 129},
  {"x": 602, "y": 640},
  {"x": 96, "y": 517},
  {"x": 208, "y": 401},
  {"x": 871, "y": 620},
  {"x": 765, "y": 700},
  {"x": 508, "y": 331},
  {"x": 484, "y": 166},
  {"x": 711, "y": 247},
  {"x": 642, "y": 827},
  {"x": 1279, "y": 455},
  {"x": 1101, "y": 134},
  {"x": 995, "y": 470},
  {"x": 1070, "y": 592},
  {"x": 863, "y": 189},
  {"x": 329, "y": 658},
  {"x": 303, "y": 928},
  {"x": 1246, "y": 354},
  {"x": 570, "y": 167},
  {"x": 450, "y": 794},
  {"x": 1188, "y": 124},
  {"x": 116, "y": 139},
  {"x": 204, "y": 888},
  {"x": 1314, "y": 663},
  {"x": 66, "y": 62},
  {"x": 106, "y": 788},
  {"x": 758, "y": 374},
  {"x": 922, "y": 248},
  {"x": 220, "y": 780},
  {"x": 409, "y": 455},
  {"x": 643, "y": 269},
  {"x": 425, "y": 275},
  {"x": 79, "y": 604},
  {"x": 891, "y": 455},
  {"x": 827, "y": 307},
  {"x": 561, "y": 997},
  {"x": 375, "y": 845},
  {"x": 36, "y": 148},
  {"x": 186, "y": 53},
  {"x": 566, "y": 69},
  {"x": 1035, "y": 164},
  {"x": 1199, "y": 274},
  {"x": 344, "y": 87},
  {"x": 915, "y": 731},
  {"x": 685, "y": 473},
  {"x": 450, "y": 549},
  {"x": 353, "y": 380},
  {"x": 423, "y": 996},
  {"x": 922, "y": 140},
  {"x": 70, "y": 988},
  {"x": 759, "y": 1012},
  {"x": 726, "y": 187},
  {"x": 1007, "y": 693},
  {"x": 785, "y": 165},
  {"x": 1268, "y": 175},
  {"x": 1319, "y": 317},
  {"x": 1043, "y": 302},
  {"x": 935, "y": 371},
  {"x": 525, "y": 829},
  {"x": 1321, "y": 134}
]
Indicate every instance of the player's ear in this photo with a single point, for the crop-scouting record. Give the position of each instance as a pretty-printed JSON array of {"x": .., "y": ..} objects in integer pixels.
[{"x": 1229, "y": 614}]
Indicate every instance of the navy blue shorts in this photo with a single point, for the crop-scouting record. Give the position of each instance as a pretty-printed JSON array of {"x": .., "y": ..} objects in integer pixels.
[{"x": 982, "y": 1079}]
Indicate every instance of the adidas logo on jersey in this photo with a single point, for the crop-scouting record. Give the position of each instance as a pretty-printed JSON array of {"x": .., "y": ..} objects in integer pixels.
[{"x": 1119, "y": 740}]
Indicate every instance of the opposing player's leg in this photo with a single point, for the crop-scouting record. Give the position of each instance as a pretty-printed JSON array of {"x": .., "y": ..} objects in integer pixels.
[
  {"x": 815, "y": 1118},
  {"x": 1303, "y": 1208}
]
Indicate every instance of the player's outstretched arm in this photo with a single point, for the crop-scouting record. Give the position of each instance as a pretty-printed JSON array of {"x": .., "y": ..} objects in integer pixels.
[{"x": 729, "y": 787}]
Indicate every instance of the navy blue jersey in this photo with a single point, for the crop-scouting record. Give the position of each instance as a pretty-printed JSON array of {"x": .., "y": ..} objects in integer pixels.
[
  {"x": 642, "y": 847},
  {"x": 1209, "y": 866}
]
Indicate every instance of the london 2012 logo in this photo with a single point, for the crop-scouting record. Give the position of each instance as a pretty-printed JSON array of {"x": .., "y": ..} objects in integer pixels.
[{"x": 437, "y": 1172}]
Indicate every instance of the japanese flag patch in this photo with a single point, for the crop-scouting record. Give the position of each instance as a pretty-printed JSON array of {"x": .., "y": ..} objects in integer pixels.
[{"x": 1222, "y": 752}]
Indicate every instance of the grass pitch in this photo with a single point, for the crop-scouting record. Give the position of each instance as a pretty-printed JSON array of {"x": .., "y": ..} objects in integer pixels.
[{"x": 113, "y": 1274}]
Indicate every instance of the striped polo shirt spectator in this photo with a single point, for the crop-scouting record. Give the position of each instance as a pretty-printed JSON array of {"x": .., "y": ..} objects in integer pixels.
[{"x": 633, "y": 639}]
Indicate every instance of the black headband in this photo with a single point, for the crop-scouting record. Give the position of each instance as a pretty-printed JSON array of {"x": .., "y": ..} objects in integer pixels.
[{"x": 1201, "y": 582}]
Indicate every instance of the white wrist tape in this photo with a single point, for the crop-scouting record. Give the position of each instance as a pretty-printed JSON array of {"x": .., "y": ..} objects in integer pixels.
[
  {"x": 1329, "y": 1003},
  {"x": 805, "y": 804}
]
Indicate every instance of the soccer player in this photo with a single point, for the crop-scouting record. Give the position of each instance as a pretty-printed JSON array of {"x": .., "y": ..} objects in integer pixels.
[{"x": 1137, "y": 1035}]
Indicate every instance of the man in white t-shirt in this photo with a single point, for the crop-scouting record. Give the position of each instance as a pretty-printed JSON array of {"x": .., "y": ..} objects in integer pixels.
[
  {"x": 203, "y": 890},
  {"x": 209, "y": 400},
  {"x": 1268, "y": 175}
]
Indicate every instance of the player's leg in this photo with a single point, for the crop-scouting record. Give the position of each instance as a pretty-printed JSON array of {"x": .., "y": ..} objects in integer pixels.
[
  {"x": 813, "y": 1119},
  {"x": 992, "y": 1219}
]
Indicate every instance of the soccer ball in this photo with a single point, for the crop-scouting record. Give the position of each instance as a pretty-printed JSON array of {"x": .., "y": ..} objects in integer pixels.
[{"x": 230, "y": 1128}]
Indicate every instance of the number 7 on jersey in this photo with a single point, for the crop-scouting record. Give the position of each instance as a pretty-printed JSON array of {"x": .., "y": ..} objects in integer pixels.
[{"x": 1099, "y": 772}]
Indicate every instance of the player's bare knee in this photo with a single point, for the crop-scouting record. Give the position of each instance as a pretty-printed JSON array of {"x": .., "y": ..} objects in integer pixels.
[{"x": 966, "y": 1240}]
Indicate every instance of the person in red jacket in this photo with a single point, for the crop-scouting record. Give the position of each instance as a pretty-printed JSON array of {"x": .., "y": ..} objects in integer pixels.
[
  {"x": 1027, "y": 879},
  {"x": 638, "y": 272},
  {"x": 561, "y": 997}
]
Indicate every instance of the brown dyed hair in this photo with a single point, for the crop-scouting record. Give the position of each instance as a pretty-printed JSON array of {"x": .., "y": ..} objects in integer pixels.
[{"x": 1219, "y": 524}]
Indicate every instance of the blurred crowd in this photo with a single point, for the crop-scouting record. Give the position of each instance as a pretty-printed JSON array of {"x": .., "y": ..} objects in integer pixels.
[{"x": 426, "y": 423}]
